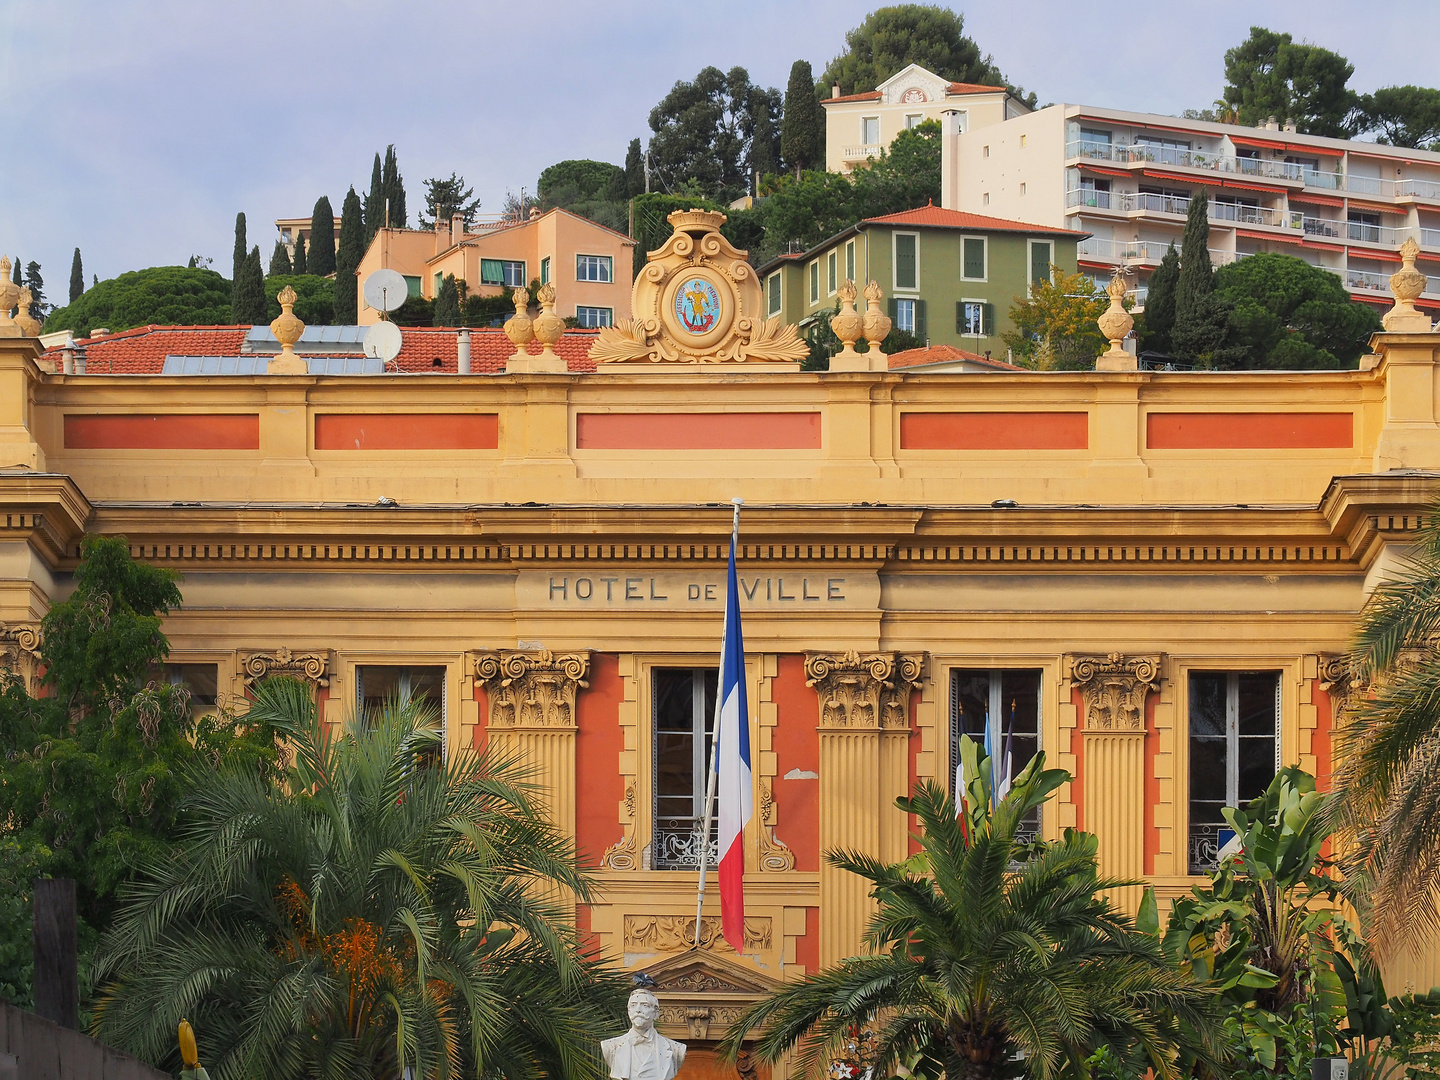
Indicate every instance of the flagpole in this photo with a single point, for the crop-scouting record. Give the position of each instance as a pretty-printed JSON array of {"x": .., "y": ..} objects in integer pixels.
[{"x": 714, "y": 754}]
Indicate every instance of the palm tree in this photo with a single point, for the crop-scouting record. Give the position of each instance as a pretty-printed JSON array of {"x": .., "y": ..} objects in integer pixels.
[
  {"x": 990, "y": 958},
  {"x": 1388, "y": 750},
  {"x": 371, "y": 911}
]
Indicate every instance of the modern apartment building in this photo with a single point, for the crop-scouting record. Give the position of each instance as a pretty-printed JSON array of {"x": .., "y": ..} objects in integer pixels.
[
  {"x": 591, "y": 265},
  {"x": 1127, "y": 179},
  {"x": 950, "y": 276},
  {"x": 859, "y": 126}
]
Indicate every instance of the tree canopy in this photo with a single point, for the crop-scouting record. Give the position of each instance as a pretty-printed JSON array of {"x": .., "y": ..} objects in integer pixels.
[
  {"x": 1269, "y": 74},
  {"x": 250, "y": 299},
  {"x": 1054, "y": 327},
  {"x": 77, "y": 277},
  {"x": 924, "y": 34},
  {"x": 314, "y": 298},
  {"x": 167, "y": 295},
  {"x": 802, "y": 130},
  {"x": 705, "y": 132},
  {"x": 93, "y": 772},
  {"x": 1286, "y": 313},
  {"x": 593, "y": 189},
  {"x": 372, "y": 912},
  {"x": 447, "y": 197},
  {"x": 348, "y": 253},
  {"x": 320, "y": 257},
  {"x": 1404, "y": 115}
]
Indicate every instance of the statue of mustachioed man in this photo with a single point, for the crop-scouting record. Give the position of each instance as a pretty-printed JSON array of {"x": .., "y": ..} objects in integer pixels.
[{"x": 642, "y": 1053}]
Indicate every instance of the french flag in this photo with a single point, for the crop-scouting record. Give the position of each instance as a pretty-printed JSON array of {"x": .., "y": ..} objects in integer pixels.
[{"x": 736, "y": 799}]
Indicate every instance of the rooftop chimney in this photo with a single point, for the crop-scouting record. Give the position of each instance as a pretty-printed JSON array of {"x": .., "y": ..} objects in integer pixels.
[
  {"x": 835, "y": 90},
  {"x": 462, "y": 351},
  {"x": 457, "y": 228}
]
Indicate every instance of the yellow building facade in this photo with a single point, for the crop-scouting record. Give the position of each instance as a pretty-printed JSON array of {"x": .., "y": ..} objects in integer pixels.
[{"x": 1113, "y": 566}]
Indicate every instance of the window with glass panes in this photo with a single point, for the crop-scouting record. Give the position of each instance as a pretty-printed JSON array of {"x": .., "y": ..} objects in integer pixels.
[
  {"x": 376, "y": 685},
  {"x": 545, "y": 270},
  {"x": 998, "y": 707},
  {"x": 832, "y": 272},
  {"x": 972, "y": 258},
  {"x": 502, "y": 272},
  {"x": 590, "y": 318},
  {"x": 904, "y": 315},
  {"x": 815, "y": 282},
  {"x": 592, "y": 268},
  {"x": 1234, "y": 752},
  {"x": 850, "y": 261},
  {"x": 683, "y": 708},
  {"x": 201, "y": 680},
  {"x": 772, "y": 295}
]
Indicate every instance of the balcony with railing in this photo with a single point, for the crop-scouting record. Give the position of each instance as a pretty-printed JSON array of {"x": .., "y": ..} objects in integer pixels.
[
  {"x": 861, "y": 153},
  {"x": 1210, "y": 161},
  {"x": 1123, "y": 251}
]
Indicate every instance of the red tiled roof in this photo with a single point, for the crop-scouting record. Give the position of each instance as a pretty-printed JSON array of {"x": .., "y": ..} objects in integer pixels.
[
  {"x": 142, "y": 351},
  {"x": 939, "y": 217},
  {"x": 945, "y": 354},
  {"x": 973, "y": 88},
  {"x": 873, "y": 95}
]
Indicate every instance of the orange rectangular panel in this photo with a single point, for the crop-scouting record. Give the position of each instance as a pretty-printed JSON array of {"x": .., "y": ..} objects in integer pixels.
[
  {"x": 698, "y": 431},
  {"x": 163, "y": 431},
  {"x": 407, "y": 431},
  {"x": 1250, "y": 431},
  {"x": 995, "y": 431}
]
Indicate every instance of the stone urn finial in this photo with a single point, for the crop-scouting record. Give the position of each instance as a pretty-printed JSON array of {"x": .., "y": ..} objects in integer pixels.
[
  {"x": 28, "y": 326},
  {"x": 549, "y": 327},
  {"x": 876, "y": 324},
  {"x": 847, "y": 322},
  {"x": 1115, "y": 322},
  {"x": 287, "y": 330},
  {"x": 519, "y": 328},
  {"x": 9, "y": 298},
  {"x": 1406, "y": 285}
]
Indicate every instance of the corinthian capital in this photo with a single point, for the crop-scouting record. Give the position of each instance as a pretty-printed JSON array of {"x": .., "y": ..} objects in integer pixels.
[
  {"x": 1113, "y": 689},
  {"x": 532, "y": 689},
  {"x": 870, "y": 690}
]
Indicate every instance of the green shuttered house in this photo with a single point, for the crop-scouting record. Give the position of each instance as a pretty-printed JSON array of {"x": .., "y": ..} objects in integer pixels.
[{"x": 949, "y": 277}]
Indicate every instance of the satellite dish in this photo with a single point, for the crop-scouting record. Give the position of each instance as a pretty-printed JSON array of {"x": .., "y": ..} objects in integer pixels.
[
  {"x": 382, "y": 341},
  {"x": 385, "y": 290}
]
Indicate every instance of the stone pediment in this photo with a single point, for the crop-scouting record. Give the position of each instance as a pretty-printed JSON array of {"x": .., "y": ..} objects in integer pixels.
[
  {"x": 913, "y": 84},
  {"x": 702, "y": 994}
]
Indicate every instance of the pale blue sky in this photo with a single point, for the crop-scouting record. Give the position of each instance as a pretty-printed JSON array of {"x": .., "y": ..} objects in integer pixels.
[{"x": 137, "y": 130}]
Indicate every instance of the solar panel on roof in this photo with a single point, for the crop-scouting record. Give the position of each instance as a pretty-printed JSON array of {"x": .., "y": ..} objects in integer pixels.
[{"x": 341, "y": 339}]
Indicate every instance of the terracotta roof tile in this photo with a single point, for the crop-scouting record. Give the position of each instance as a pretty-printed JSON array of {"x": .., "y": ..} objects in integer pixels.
[
  {"x": 873, "y": 95},
  {"x": 939, "y": 217},
  {"x": 973, "y": 88},
  {"x": 142, "y": 351},
  {"x": 945, "y": 354}
]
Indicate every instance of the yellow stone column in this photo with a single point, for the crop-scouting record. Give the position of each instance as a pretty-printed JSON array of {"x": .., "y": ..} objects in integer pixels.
[
  {"x": 532, "y": 720},
  {"x": 864, "y": 757},
  {"x": 1113, "y": 690}
]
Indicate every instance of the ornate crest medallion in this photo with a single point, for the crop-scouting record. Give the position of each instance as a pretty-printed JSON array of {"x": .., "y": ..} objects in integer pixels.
[{"x": 697, "y": 302}]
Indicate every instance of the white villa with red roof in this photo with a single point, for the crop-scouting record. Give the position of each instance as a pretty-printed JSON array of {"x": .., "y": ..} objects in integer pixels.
[{"x": 859, "y": 126}]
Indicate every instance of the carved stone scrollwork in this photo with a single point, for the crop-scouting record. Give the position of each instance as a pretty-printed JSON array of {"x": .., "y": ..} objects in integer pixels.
[
  {"x": 532, "y": 689},
  {"x": 312, "y": 667},
  {"x": 775, "y": 856},
  {"x": 1337, "y": 681},
  {"x": 676, "y": 933},
  {"x": 19, "y": 651},
  {"x": 1113, "y": 688},
  {"x": 869, "y": 691},
  {"x": 623, "y": 855}
]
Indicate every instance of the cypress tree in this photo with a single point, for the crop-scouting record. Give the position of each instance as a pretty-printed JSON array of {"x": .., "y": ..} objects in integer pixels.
[
  {"x": 36, "y": 284},
  {"x": 1158, "y": 319},
  {"x": 298, "y": 263},
  {"x": 1202, "y": 319},
  {"x": 250, "y": 306},
  {"x": 374, "y": 201},
  {"x": 634, "y": 170},
  {"x": 321, "y": 256},
  {"x": 394, "y": 186},
  {"x": 77, "y": 277},
  {"x": 447, "y": 304},
  {"x": 237, "y": 263},
  {"x": 802, "y": 129},
  {"x": 15, "y": 274},
  {"x": 347, "y": 258},
  {"x": 279, "y": 260},
  {"x": 191, "y": 266}
]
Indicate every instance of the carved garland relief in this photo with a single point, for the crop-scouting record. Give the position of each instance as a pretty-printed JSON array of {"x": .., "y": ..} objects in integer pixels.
[
  {"x": 697, "y": 302},
  {"x": 1113, "y": 689},
  {"x": 676, "y": 933},
  {"x": 869, "y": 691},
  {"x": 532, "y": 689}
]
